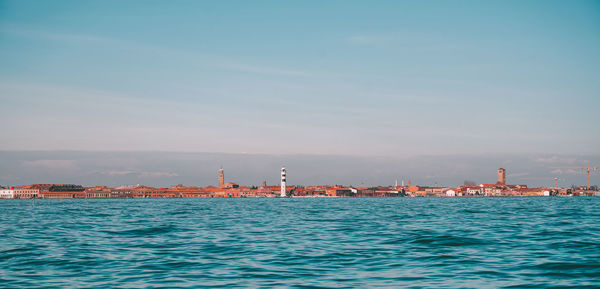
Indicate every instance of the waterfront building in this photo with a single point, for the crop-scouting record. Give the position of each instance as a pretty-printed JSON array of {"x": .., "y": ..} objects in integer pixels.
[
  {"x": 143, "y": 192},
  {"x": 268, "y": 191},
  {"x": 121, "y": 192},
  {"x": 534, "y": 192},
  {"x": 213, "y": 192},
  {"x": 434, "y": 191},
  {"x": 97, "y": 192},
  {"x": 474, "y": 191},
  {"x": 420, "y": 193},
  {"x": 374, "y": 192},
  {"x": 230, "y": 185},
  {"x": 339, "y": 192},
  {"x": 25, "y": 192},
  {"x": 181, "y": 191},
  {"x": 491, "y": 190},
  {"x": 365, "y": 191},
  {"x": 7, "y": 193},
  {"x": 60, "y": 191},
  {"x": 388, "y": 192},
  {"x": 247, "y": 192}
]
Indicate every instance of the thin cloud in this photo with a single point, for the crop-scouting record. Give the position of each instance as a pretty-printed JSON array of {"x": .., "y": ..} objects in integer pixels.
[
  {"x": 36, "y": 33},
  {"x": 556, "y": 160},
  {"x": 566, "y": 171},
  {"x": 140, "y": 174},
  {"x": 211, "y": 60},
  {"x": 514, "y": 175},
  {"x": 116, "y": 173},
  {"x": 54, "y": 165},
  {"x": 10, "y": 177},
  {"x": 85, "y": 39},
  {"x": 157, "y": 174}
]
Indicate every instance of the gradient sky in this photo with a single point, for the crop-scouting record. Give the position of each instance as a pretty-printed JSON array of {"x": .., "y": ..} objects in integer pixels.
[{"x": 355, "y": 78}]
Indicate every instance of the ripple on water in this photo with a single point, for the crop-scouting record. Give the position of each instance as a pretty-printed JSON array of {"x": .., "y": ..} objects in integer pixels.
[{"x": 302, "y": 243}]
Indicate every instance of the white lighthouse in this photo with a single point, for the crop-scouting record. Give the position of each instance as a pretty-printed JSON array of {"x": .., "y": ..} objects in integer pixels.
[{"x": 283, "y": 176}]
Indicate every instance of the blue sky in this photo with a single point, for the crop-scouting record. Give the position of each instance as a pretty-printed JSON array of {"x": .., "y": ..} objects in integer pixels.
[{"x": 358, "y": 78}]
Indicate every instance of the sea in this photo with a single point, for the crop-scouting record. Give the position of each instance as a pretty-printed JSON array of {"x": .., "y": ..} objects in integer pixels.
[{"x": 505, "y": 242}]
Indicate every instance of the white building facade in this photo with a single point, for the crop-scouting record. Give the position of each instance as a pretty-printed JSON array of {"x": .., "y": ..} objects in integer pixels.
[{"x": 7, "y": 194}]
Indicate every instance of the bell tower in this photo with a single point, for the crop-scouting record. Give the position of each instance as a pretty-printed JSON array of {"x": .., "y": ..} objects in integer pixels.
[
  {"x": 501, "y": 176},
  {"x": 221, "y": 178}
]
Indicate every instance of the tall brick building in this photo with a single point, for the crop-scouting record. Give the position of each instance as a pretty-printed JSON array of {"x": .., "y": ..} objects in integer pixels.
[{"x": 501, "y": 176}]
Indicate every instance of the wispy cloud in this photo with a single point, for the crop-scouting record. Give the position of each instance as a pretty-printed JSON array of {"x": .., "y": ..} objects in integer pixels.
[
  {"x": 407, "y": 42},
  {"x": 53, "y": 165},
  {"x": 72, "y": 37},
  {"x": 113, "y": 173},
  {"x": 9, "y": 177},
  {"x": 140, "y": 174},
  {"x": 218, "y": 61},
  {"x": 556, "y": 160},
  {"x": 78, "y": 38},
  {"x": 566, "y": 171},
  {"x": 514, "y": 175},
  {"x": 60, "y": 36},
  {"x": 157, "y": 174}
]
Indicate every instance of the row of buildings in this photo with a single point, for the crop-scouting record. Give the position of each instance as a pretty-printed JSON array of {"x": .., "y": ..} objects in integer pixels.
[
  {"x": 61, "y": 191},
  {"x": 233, "y": 190}
]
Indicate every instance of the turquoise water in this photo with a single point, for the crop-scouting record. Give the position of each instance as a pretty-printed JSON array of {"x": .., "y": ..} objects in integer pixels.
[{"x": 302, "y": 243}]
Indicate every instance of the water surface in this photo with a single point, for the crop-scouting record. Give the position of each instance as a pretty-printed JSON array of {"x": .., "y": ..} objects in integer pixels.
[{"x": 522, "y": 242}]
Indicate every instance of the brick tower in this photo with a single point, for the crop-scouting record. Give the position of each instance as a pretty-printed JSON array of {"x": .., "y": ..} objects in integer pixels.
[
  {"x": 501, "y": 176},
  {"x": 221, "y": 178}
]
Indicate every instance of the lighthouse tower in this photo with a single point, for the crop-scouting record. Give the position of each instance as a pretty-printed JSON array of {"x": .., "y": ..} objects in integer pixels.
[{"x": 283, "y": 180}]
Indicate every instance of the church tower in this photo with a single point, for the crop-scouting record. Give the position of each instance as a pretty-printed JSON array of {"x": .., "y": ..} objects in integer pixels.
[
  {"x": 221, "y": 178},
  {"x": 501, "y": 176}
]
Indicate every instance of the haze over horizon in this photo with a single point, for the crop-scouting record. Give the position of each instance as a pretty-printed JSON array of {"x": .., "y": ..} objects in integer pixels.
[
  {"x": 164, "y": 169},
  {"x": 363, "y": 92}
]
